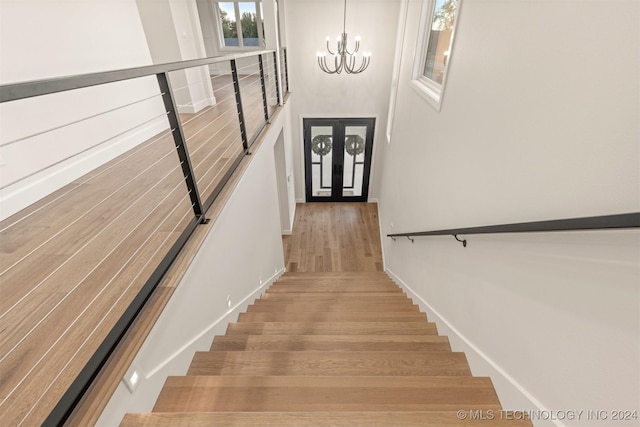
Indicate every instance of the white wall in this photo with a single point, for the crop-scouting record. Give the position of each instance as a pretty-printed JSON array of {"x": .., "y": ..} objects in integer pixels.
[
  {"x": 172, "y": 29},
  {"x": 308, "y": 23},
  {"x": 283, "y": 152},
  {"x": 540, "y": 120},
  {"x": 240, "y": 257},
  {"x": 42, "y": 39}
]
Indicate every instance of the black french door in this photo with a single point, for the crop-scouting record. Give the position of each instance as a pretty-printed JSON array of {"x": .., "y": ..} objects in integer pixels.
[{"x": 337, "y": 156}]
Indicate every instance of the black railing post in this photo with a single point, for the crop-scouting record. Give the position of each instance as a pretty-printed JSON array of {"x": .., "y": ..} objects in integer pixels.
[
  {"x": 277, "y": 74},
  {"x": 265, "y": 105},
  {"x": 286, "y": 68},
  {"x": 236, "y": 86},
  {"x": 180, "y": 142}
]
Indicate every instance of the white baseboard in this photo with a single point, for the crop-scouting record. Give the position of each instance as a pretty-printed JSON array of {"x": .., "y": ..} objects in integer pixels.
[
  {"x": 461, "y": 343},
  {"x": 24, "y": 193},
  {"x": 227, "y": 317},
  {"x": 196, "y": 107}
]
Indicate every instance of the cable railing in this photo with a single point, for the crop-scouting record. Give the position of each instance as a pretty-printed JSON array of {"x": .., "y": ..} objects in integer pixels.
[
  {"x": 284, "y": 71},
  {"x": 604, "y": 222},
  {"x": 158, "y": 144}
]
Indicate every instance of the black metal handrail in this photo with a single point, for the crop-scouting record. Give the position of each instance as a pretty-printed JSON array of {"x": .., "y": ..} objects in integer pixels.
[
  {"x": 30, "y": 89},
  {"x": 618, "y": 221}
]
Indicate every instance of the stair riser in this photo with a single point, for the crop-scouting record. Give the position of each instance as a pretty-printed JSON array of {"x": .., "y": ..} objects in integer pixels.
[
  {"x": 309, "y": 419},
  {"x": 347, "y": 296},
  {"x": 332, "y": 328},
  {"x": 332, "y": 288},
  {"x": 336, "y": 363},
  {"x": 331, "y": 317},
  {"x": 328, "y": 307},
  {"x": 330, "y": 343},
  {"x": 326, "y": 399}
]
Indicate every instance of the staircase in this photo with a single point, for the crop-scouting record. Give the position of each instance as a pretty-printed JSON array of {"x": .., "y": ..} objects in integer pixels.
[{"x": 332, "y": 349}]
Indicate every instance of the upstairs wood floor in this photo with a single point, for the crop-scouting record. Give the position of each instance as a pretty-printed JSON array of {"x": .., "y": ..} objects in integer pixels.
[
  {"x": 71, "y": 263},
  {"x": 330, "y": 347}
]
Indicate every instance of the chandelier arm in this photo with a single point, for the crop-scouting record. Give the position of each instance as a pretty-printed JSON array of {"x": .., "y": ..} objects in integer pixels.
[
  {"x": 322, "y": 62},
  {"x": 343, "y": 59},
  {"x": 329, "y": 48},
  {"x": 355, "y": 50},
  {"x": 342, "y": 44},
  {"x": 351, "y": 64},
  {"x": 365, "y": 64}
]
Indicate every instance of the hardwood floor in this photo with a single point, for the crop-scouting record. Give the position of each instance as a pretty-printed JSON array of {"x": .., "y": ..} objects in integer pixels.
[
  {"x": 71, "y": 263},
  {"x": 334, "y": 237}
]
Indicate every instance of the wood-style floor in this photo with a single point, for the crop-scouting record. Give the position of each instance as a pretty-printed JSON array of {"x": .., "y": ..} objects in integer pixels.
[
  {"x": 71, "y": 264},
  {"x": 334, "y": 237},
  {"x": 329, "y": 348}
]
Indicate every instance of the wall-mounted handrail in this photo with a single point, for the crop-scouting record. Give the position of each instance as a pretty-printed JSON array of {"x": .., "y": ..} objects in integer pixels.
[
  {"x": 618, "y": 221},
  {"x": 29, "y": 89}
]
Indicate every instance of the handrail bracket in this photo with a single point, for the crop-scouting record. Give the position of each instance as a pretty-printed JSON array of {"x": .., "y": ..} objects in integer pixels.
[{"x": 463, "y": 241}]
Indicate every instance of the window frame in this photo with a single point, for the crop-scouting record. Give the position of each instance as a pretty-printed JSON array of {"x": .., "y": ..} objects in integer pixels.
[
  {"x": 238, "y": 16},
  {"x": 430, "y": 90}
]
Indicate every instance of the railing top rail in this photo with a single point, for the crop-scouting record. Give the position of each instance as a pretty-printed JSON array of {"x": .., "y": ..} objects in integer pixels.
[
  {"x": 627, "y": 220},
  {"x": 29, "y": 89}
]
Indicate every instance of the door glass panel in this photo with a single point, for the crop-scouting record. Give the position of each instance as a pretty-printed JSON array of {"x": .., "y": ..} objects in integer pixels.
[
  {"x": 354, "y": 160},
  {"x": 321, "y": 160}
]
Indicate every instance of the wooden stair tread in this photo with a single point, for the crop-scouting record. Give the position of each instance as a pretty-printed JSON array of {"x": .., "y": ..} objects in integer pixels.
[
  {"x": 262, "y": 305},
  {"x": 331, "y": 343},
  {"x": 319, "y": 316},
  {"x": 318, "y": 363},
  {"x": 331, "y": 328},
  {"x": 338, "y": 393},
  {"x": 316, "y": 419}
]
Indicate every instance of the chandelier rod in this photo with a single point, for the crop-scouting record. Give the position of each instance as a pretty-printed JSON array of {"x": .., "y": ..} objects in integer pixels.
[{"x": 344, "y": 19}]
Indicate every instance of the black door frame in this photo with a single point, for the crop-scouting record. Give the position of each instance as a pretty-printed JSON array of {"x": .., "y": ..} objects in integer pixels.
[{"x": 338, "y": 126}]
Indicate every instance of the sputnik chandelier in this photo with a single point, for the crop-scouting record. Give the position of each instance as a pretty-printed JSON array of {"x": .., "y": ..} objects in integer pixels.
[{"x": 342, "y": 58}]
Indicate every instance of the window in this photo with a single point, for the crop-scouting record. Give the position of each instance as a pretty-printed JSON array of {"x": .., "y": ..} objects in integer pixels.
[
  {"x": 436, "y": 40},
  {"x": 241, "y": 24}
]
